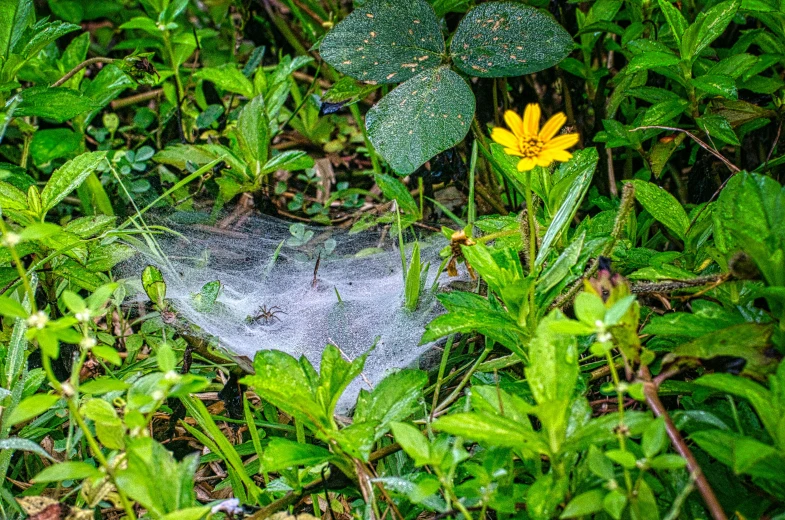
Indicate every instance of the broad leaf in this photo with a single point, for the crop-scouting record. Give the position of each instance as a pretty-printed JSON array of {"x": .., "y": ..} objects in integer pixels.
[
  {"x": 498, "y": 39},
  {"x": 580, "y": 169},
  {"x": 66, "y": 178},
  {"x": 662, "y": 206},
  {"x": 58, "y": 104},
  {"x": 283, "y": 454},
  {"x": 385, "y": 41},
  {"x": 492, "y": 430},
  {"x": 420, "y": 118}
]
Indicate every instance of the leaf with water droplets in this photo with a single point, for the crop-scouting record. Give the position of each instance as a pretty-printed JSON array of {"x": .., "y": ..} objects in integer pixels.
[
  {"x": 420, "y": 118},
  {"x": 503, "y": 39},
  {"x": 385, "y": 41}
]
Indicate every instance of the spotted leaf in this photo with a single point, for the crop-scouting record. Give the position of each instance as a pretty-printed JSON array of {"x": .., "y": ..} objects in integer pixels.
[
  {"x": 386, "y": 41},
  {"x": 420, "y": 118},
  {"x": 503, "y": 39}
]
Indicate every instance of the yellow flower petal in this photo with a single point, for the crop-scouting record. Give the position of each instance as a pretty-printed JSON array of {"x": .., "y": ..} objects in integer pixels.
[
  {"x": 553, "y": 125},
  {"x": 561, "y": 142},
  {"x": 544, "y": 159},
  {"x": 504, "y": 137},
  {"x": 515, "y": 123},
  {"x": 526, "y": 164},
  {"x": 560, "y": 155},
  {"x": 513, "y": 151},
  {"x": 531, "y": 119}
]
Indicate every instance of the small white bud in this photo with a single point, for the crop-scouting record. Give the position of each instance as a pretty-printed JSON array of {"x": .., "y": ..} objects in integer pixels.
[
  {"x": 10, "y": 239},
  {"x": 37, "y": 320},
  {"x": 604, "y": 337},
  {"x": 171, "y": 376},
  {"x": 87, "y": 343},
  {"x": 83, "y": 316},
  {"x": 158, "y": 395},
  {"x": 67, "y": 390}
]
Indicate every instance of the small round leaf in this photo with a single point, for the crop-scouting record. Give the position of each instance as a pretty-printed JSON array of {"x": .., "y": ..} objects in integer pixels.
[
  {"x": 420, "y": 118},
  {"x": 503, "y": 39},
  {"x": 385, "y": 41}
]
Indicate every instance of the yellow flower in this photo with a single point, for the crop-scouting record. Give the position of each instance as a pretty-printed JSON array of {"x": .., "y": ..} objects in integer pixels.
[{"x": 536, "y": 147}]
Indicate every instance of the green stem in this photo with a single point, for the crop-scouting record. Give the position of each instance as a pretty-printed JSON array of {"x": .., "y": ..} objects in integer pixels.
[
  {"x": 620, "y": 431},
  {"x": 530, "y": 220},
  {"x": 99, "y": 456},
  {"x": 355, "y": 110}
]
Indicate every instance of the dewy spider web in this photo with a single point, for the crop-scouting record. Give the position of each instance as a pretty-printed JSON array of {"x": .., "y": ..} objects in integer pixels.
[{"x": 266, "y": 263}]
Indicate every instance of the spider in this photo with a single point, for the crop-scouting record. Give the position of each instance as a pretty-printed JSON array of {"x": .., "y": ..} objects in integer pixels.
[{"x": 266, "y": 315}]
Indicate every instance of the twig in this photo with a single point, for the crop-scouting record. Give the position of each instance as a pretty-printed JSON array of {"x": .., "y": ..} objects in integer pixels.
[
  {"x": 136, "y": 98},
  {"x": 70, "y": 74},
  {"x": 732, "y": 167},
  {"x": 653, "y": 400},
  {"x": 625, "y": 206}
]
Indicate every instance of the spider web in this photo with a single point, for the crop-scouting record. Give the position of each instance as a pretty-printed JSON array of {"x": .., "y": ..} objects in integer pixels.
[{"x": 354, "y": 302}]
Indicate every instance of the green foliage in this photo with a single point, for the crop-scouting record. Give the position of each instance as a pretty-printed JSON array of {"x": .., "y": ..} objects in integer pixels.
[
  {"x": 616, "y": 312},
  {"x": 392, "y": 42}
]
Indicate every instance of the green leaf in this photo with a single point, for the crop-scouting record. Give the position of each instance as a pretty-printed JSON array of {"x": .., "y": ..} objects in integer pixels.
[
  {"x": 155, "y": 479},
  {"x": 614, "y": 503},
  {"x": 707, "y": 27},
  {"x": 253, "y": 134},
  {"x": 30, "y": 407},
  {"x": 584, "y": 504},
  {"x": 717, "y": 85},
  {"x": 385, "y": 41},
  {"x": 471, "y": 312},
  {"x": 420, "y": 118},
  {"x": 66, "y": 178},
  {"x": 227, "y": 77},
  {"x": 675, "y": 19},
  {"x": 661, "y": 113},
  {"x": 103, "y": 385},
  {"x": 650, "y": 60},
  {"x": 58, "y": 104},
  {"x": 394, "y": 189},
  {"x": 499, "y": 39},
  {"x": 413, "y": 442},
  {"x": 559, "y": 269},
  {"x": 12, "y": 308},
  {"x": 553, "y": 367},
  {"x": 69, "y": 470},
  {"x": 744, "y": 455},
  {"x": 655, "y": 438},
  {"x": 346, "y": 92},
  {"x": 290, "y": 160},
  {"x": 758, "y": 396},
  {"x": 205, "y": 299},
  {"x": 53, "y": 144},
  {"x": 717, "y": 127},
  {"x": 580, "y": 170},
  {"x": 154, "y": 285},
  {"x": 412, "y": 283},
  {"x": 662, "y": 206},
  {"x": 750, "y": 341},
  {"x": 15, "y": 16},
  {"x": 749, "y": 216},
  {"x": 283, "y": 454},
  {"x": 20, "y": 444},
  {"x": 393, "y": 399},
  {"x": 492, "y": 430}
]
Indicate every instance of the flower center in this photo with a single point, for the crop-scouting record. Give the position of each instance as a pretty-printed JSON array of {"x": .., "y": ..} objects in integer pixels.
[{"x": 531, "y": 145}]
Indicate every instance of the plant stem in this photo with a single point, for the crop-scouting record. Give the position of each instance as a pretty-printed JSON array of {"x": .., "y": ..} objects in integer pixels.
[
  {"x": 531, "y": 224},
  {"x": 84, "y": 64},
  {"x": 650, "y": 392}
]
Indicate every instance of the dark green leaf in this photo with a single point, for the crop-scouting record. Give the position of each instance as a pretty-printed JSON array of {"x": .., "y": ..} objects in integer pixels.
[
  {"x": 498, "y": 39},
  {"x": 385, "y": 41},
  {"x": 662, "y": 206},
  {"x": 283, "y": 454},
  {"x": 420, "y": 118},
  {"x": 58, "y": 104},
  {"x": 66, "y": 178},
  {"x": 69, "y": 470}
]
